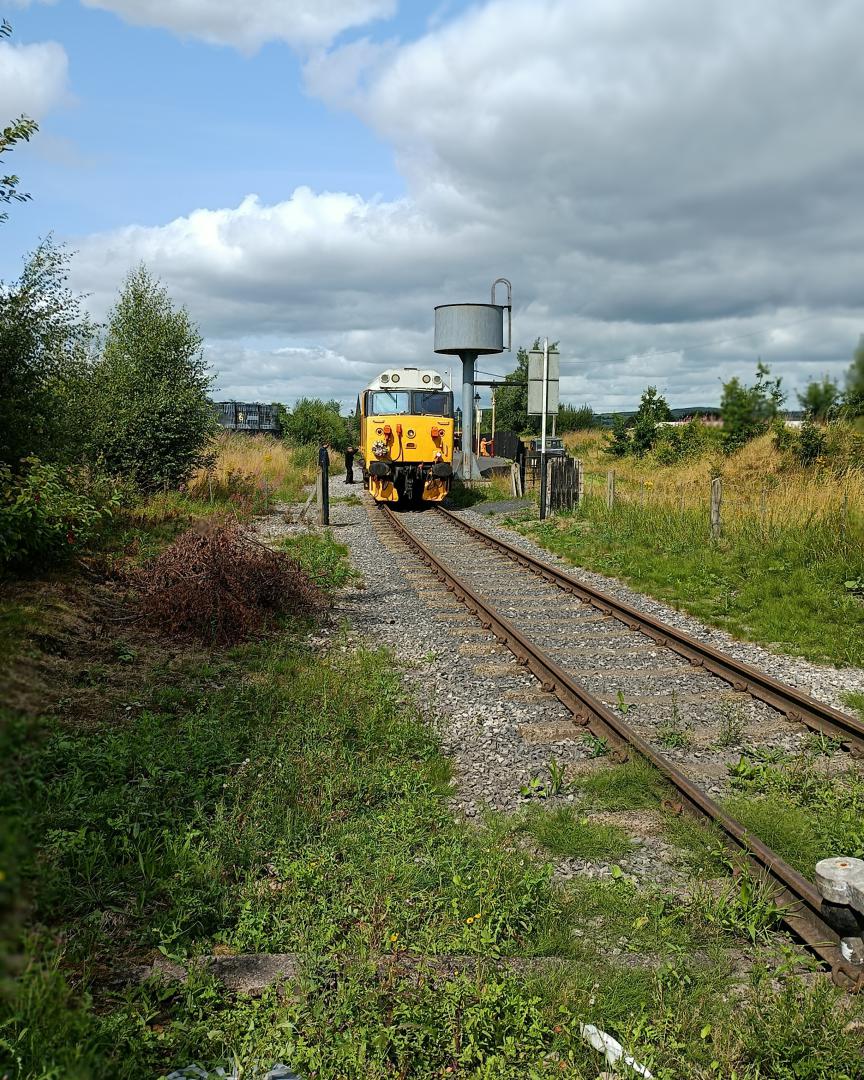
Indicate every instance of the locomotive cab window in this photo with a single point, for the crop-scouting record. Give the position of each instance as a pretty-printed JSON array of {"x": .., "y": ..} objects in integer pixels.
[
  {"x": 433, "y": 403},
  {"x": 389, "y": 403}
]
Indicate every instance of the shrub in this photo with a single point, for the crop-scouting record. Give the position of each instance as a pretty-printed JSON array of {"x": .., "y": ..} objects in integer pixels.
[
  {"x": 216, "y": 585},
  {"x": 49, "y": 512},
  {"x": 312, "y": 422},
  {"x": 675, "y": 444}
]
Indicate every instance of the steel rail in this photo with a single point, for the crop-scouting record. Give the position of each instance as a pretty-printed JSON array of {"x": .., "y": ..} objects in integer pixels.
[
  {"x": 743, "y": 677},
  {"x": 798, "y": 898}
]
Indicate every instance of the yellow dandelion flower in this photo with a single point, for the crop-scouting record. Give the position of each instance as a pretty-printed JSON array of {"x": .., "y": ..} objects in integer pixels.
[
  {"x": 393, "y": 937},
  {"x": 470, "y": 919}
]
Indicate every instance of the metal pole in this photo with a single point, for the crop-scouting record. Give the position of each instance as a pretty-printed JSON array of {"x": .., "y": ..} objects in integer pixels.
[
  {"x": 493, "y": 419},
  {"x": 543, "y": 429},
  {"x": 323, "y": 486},
  {"x": 468, "y": 361}
]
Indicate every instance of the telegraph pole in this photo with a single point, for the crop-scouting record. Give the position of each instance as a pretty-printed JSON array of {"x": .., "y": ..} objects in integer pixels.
[{"x": 543, "y": 428}]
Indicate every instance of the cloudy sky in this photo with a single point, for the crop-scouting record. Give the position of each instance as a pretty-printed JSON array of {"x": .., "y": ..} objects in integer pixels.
[{"x": 674, "y": 188}]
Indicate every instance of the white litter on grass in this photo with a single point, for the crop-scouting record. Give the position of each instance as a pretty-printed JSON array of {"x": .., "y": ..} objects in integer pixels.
[
  {"x": 195, "y": 1072},
  {"x": 611, "y": 1048}
]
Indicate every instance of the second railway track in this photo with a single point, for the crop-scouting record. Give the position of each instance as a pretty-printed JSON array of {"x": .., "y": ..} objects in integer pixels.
[{"x": 640, "y": 684}]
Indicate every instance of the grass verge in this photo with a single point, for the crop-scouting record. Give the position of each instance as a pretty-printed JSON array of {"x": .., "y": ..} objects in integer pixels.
[
  {"x": 782, "y": 586},
  {"x": 270, "y": 799}
]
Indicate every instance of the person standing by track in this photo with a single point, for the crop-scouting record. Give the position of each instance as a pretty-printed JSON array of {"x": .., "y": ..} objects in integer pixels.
[{"x": 350, "y": 451}]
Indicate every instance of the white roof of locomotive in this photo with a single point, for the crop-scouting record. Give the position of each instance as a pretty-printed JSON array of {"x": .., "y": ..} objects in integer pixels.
[{"x": 410, "y": 378}]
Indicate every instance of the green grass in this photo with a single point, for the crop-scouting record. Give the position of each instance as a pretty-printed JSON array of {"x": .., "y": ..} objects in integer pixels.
[
  {"x": 323, "y": 559},
  {"x": 783, "y": 587},
  {"x": 274, "y": 800},
  {"x": 634, "y": 785},
  {"x": 566, "y": 831},
  {"x": 802, "y": 814}
]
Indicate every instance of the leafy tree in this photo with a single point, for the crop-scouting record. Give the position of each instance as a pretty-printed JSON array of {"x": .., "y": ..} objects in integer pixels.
[
  {"x": 315, "y": 421},
  {"x": 653, "y": 410},
  {"x": 511, "y": 402},
  {"x": 152, "y": 419},
  {"x": 820, "y": 398},
  {"x": 618, "y": 440},
  {"x": 747, "y": 411},
  {"x": 45, "y": 344},
  {"x": 19, "y": 130}
]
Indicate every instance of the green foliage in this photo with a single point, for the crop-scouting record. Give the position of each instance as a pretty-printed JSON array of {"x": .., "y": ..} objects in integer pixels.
[
  {"x": 511, "y": 402},
  {"x": 811, "y": 444},
  {"x": 653, "y": 410},
  {"x": 748, "y": 410},
  {"x": 45, "y": 342},
  {"x": 820, "y": 399},
  {"x": 151, "y": 419},
  {"x": 568, "y": 832},
  {"x": 618, "y": 440},
  {"x": 676, "y": 444},
  {"x": 313, "y": 422},
  {"x": 799, "y": 811},
  {"x": 19, "y": 130},
  {"x": 745, "y": 907},
  {"x": 324, "y": 560},
  {"x": 49, "y": 512},
  {"x": 574, "y": 418}
]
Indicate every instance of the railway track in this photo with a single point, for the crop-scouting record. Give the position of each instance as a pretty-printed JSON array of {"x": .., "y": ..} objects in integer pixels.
[{"x": 628, "y": 677}]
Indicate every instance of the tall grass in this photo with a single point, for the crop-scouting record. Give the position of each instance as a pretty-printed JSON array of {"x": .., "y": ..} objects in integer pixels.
[
  {"x": 261, "y": 464},
  {"x": 759, "y": 482}
]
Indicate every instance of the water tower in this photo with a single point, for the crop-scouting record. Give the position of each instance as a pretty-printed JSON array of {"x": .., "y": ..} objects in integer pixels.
[{"x": 469, "y": 331}]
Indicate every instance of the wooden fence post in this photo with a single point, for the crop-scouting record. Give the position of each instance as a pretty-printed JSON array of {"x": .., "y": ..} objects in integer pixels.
[
  {"x": 580, "y": 480},
  {"x": 610, "y": 489},
  {"x": 322, "y": 486},
  {"x": 716, "y": 498}
]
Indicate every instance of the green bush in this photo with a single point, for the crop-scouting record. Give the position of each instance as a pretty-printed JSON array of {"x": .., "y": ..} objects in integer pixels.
[
  {"x": 49, "y": 512},
  {"x": 151, "y": 417},
  {"x": 312, "y": 422}
]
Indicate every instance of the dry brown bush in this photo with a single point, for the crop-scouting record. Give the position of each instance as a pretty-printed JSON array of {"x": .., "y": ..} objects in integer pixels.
[{"x": 215, "y": 584}]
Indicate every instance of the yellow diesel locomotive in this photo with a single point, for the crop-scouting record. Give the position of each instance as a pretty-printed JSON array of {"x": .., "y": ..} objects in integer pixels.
[{"x": 406, "y": 436}]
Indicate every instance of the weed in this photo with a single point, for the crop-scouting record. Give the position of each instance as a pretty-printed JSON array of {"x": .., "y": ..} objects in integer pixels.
[
  {"x": 742, "y": 906},
  {"x": 534, "y": 789},
  {"x": 595, "y": 747},
  {"x": 731, "y": 725},
  {"x": 557, "y": 781},
  {"x": 673, "y": 732},
  {"x": 621, "y": 705}
]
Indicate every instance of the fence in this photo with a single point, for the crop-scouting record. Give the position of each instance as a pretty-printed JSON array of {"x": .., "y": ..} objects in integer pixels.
[{"x": 764, "y": 504}]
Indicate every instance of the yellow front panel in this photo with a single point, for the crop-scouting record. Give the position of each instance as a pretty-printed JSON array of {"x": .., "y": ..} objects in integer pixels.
[{"x": 419, "y": 447}]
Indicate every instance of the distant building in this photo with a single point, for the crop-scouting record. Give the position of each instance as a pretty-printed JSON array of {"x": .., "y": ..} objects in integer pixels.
[{"x": 248, "y": 416}]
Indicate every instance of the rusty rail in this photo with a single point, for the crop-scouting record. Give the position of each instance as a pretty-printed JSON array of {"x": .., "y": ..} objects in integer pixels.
[
  {"x": 795, "y": 895},
  {"x": 742, "y": 677}
]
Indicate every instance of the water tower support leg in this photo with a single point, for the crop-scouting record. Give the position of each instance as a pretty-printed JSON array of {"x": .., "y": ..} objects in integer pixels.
[{"x": 469, "y": 467}]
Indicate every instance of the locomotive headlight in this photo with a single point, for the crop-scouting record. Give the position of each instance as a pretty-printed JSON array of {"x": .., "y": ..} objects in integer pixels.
[
  {"x": 395, "y": 378},
  {"x": 385, "y": 378},
  {"x": 411, "y": 433},
  {"x": 427, "y": 378}
]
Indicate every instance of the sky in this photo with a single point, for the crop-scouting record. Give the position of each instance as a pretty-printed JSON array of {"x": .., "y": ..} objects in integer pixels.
[{"x": 673, "y": 188}]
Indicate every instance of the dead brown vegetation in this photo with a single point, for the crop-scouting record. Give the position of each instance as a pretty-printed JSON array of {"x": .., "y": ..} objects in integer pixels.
[{"x": 217, "y": 585}]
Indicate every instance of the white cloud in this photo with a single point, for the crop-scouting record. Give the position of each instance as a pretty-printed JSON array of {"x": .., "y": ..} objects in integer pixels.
[
  {"x": 650, "y": 175},
  {"x": 33, "y": 78},
  {"x": 249, "y": 25}
]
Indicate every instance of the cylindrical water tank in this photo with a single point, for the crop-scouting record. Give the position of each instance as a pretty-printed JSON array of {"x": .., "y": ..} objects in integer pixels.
[{"x": 477, "y": 328}]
